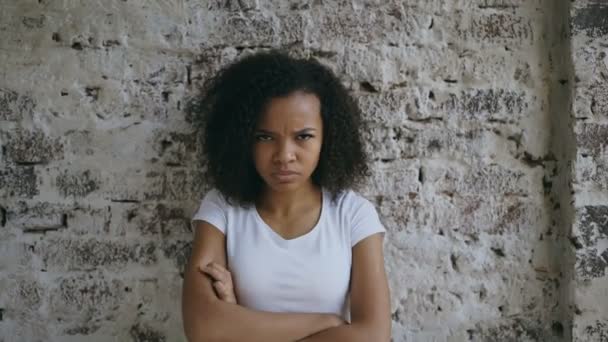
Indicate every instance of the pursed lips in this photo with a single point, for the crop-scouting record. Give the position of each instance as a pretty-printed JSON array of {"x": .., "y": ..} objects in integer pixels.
[
  {"x": 285, "y": 176},
  {"x": 285, "y": 173}
]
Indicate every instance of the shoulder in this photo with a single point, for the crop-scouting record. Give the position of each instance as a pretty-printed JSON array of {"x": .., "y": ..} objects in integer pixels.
[
  {"x": 359, "y": 214},
  {"x": 350, "y": 201},
  {"x": 214, "y": 196},
  {"x": 217, "y": 210},
  {"x": 214, "y": 202}
]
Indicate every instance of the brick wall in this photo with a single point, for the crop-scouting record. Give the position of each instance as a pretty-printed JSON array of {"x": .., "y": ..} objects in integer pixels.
[
  {"x": 589, "y": 20},
  {"x": 486, "y": 121}
]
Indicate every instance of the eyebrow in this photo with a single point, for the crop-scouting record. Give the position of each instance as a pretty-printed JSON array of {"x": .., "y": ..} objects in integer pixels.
[{"x": 304, "y": 130}]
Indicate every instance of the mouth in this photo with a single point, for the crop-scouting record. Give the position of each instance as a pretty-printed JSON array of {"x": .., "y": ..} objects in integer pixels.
[
  {"x": 285, "y": 173},
  {"x": 285, "y": 176}
]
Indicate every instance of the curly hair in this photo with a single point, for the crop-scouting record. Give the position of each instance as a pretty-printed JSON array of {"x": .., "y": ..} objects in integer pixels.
[{"x": 231, "y": 102}]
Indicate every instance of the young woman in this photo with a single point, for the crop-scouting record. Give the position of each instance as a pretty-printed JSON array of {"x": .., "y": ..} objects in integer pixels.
[{"x": 284, "y": 249}]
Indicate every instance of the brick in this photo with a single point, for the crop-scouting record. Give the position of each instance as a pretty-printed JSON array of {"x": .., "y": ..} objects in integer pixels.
[
  {"x": 18, "y": 181},
  {"x": 498, "y": 28},
  {"x": 34, "y": 22},
  {"x": 492, "y": 105},
  {"x": 145, "y": 333},
  {"x": 178, "y": 252},
  {"x": 386, "y": 108},
  {"x": 16, "y": 255},
  {"x": 468, "y": 65},
  {"x": 403, "y": 213},
  {"x": 479, "y": 179},
  {"x": 37, "y": 217},
  {"x": 395, "y": 67},
  {"x": 126, "y": 219},
  {"x": 134, "y": 185},
  {"x": 85, "y": 254},
  {"x": 473, "y": 215},
  {"x": 590, "y": 102},
  {"x": 499, "y": 4},
  {"x": 84, "y": 297},
  {"x": 590, "y": 63},
  {"x": 370, "y": 65},
  {"x": 233, "y": 6},
  {"x": 185, "y": 184},
  {"x": 80, "y": 144},
  {"x": 387, "y": 22},
  {"x": 514, "y": 329},
  {"x": 439, "y": 142},
  {"x": 33, "y": 148},
  {"x": 77, "y": 184},
  {"x": 599, "y": 99},
  {"x": 81, "y": 329},
  {"x": 21, "y": 296},
  {"x": 591, "y": 224},
  {"x": 208, "y": 62},
  {"x": 87, "y": 219},
  {"x": 394, "y": 177},
  {"x": 376, "y": 68},
  {"x": 486, "y": 104},
  {"x": 591, "y": 171},
  {"x": 592, "y": 19},
  {"x": 248, "y": 29},
  {"x": 596, "y": 331},
  {"x": 386, "y": 143},
  {"x": 592, "y": 155},
  {"x": 14, "y": 106},
  {"x": 591, "y": 263},
  {"x": 149, "y": 219},
  {"x": 176, "y": 149}
]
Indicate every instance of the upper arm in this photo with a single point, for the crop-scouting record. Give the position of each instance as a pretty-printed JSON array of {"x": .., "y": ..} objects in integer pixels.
[
  {"x": 369, "y": 294},
  {"x": 209, "y": 244}
]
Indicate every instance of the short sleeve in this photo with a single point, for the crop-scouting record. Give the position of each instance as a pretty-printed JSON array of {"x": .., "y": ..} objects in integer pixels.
[
  {"x": 213, "y": 210},
  {"x": 365, "y": 220}
]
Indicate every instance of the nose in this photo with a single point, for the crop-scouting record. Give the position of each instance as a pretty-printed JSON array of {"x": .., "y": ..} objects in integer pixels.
[{"x": 285, "y": 153}]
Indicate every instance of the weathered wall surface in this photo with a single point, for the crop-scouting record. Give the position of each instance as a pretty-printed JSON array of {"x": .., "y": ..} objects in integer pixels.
[
  {"x": 468, "y": 121},
  {"x": 590, "y": 177}
]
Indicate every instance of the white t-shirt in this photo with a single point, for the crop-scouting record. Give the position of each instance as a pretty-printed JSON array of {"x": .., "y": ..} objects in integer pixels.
[{"x": 310, "y": 273}]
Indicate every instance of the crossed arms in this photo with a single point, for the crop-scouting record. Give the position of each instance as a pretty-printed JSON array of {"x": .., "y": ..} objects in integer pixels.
[{"x": 207, "y": 317}]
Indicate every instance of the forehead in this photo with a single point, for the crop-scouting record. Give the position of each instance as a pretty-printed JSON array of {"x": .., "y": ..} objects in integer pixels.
[{"x": 296, "y": 109}]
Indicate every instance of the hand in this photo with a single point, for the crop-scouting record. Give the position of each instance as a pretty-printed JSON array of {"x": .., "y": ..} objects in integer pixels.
[{"x": 222, "y": 281}]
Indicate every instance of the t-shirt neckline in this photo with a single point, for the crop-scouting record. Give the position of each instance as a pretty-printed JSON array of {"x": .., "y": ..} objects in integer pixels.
[{"x": 281, "y": 240}]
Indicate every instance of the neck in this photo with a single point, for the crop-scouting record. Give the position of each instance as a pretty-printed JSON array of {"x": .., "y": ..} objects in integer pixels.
[{"x": 287, "y": 203}]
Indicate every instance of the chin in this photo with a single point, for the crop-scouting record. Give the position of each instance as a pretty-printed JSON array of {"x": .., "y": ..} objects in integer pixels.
[
  {"x": 281, "y": 187},
  {"x": 285, "y": 187}
]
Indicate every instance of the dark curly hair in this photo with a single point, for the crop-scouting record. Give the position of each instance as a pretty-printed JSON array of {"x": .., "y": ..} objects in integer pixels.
[{"x": 231, "y": 102}]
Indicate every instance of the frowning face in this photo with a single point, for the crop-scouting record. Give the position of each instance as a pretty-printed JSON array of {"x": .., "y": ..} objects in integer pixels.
[{"x": 287, "y": 141}]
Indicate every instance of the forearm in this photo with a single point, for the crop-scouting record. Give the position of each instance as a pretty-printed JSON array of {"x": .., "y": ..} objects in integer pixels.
[
  {"x": 206, "y": 318},
  {"x": 231, "y": 322},
  {"x": 349, "y": 332}
]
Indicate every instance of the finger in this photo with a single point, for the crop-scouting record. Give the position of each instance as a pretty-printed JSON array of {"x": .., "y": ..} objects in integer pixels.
[
  {"x": 220, "y": 288},
  {"x": 213, "y": 272},
  {"x": 224, "y": 292},
  {"x": 224, "y": 274},
  {"x": 220, "y": 268}
]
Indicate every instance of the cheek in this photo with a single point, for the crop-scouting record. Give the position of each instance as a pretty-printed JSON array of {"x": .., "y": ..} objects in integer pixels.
[
  {"x": 314, "y": 152},
  {"x": 261, "y": 154}
]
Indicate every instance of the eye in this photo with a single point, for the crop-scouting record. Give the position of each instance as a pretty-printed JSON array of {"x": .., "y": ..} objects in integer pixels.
[
  {"x": 305, "y": 136},
  {"x": 262, "y": 137}
]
